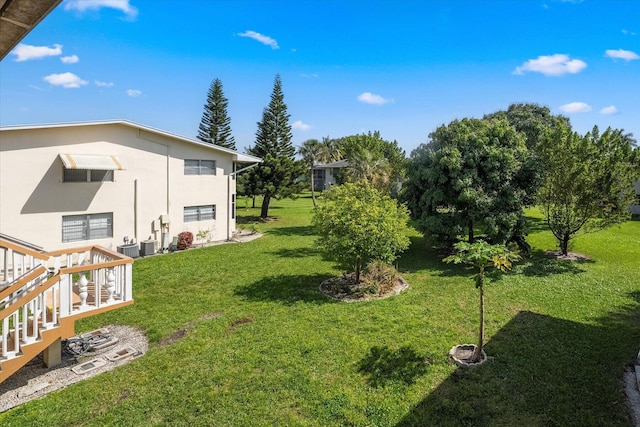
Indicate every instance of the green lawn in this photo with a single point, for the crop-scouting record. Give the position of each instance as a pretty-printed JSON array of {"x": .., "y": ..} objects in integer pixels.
[{"x": 264, "y": 348}]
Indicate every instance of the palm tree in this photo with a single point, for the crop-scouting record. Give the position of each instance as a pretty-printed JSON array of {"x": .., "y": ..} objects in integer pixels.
[
  {"x": 312, "y": 151},
  {"x": 364, "y": 165}
]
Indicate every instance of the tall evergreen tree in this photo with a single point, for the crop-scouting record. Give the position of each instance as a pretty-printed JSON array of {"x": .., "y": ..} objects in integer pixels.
[
  {"x": 215, "y": 126},
  {"x": 277, "y": 175}
]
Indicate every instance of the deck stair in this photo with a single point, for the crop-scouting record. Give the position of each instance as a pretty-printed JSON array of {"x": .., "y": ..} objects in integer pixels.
[{"x": 42, "y": 294}]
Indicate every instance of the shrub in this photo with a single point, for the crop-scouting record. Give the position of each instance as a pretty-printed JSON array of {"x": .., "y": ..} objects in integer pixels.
[
  {"x": 383, "y": 275},
  {"x": 185, "y": 239}
]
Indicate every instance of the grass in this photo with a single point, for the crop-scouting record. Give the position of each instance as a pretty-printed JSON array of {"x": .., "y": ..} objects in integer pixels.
[{"x": 262, "y": 347}]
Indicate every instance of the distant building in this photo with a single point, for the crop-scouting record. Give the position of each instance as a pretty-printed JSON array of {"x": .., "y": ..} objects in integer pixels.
[
  {"x": 325, "y": 174},
  {"x": 635, "y": 209}
]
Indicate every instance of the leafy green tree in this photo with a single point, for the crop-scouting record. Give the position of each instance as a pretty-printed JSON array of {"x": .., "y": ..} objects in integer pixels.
[
  {"x": 481, "y": 255},
  {"x": 382, "y": 162},
  {"x": 312, "y": 151},
  {"x": 215, "y": 126},
  {"x": 358, "y": 224},
  {"x": 471, "y": 174},
  {"x": 531, "y": 119},
  {"x": 277, "y": 175},
  {"x": 588, "y": 183}
]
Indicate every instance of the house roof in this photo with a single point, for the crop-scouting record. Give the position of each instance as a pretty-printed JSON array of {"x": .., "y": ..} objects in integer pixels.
[
  {"x": 18, "y": 17},
  {"x": 237, "y": 157},
  {"x": 336, "y": 164}
]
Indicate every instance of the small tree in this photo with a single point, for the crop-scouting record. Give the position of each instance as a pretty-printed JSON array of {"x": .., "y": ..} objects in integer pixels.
[
  {"x": 358, "y": 224},
  {"x": 481, "y": 255},
  {"x": 588, "y": 181},
  {"x": 215, "y": 125}
]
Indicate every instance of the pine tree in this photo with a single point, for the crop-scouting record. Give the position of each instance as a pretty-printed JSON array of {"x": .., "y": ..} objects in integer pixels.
[
  {"x": 215, "y": 126},
  {"x": 277, "y": 176}
]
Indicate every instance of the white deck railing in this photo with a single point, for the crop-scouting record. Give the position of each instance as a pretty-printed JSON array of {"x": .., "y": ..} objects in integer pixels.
[{"x": 48, "y": 286}]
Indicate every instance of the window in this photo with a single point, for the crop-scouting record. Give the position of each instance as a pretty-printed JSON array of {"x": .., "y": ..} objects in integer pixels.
[
  {"x": 87, "y": 227},
  {"x": 87, "y": 175},
  {"x": 199, "y": 213},
  {"x": 199, "y": 167}
]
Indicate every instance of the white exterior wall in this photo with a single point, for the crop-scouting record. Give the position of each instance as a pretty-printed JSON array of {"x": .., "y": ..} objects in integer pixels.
[{"x": 33, "y": 198}]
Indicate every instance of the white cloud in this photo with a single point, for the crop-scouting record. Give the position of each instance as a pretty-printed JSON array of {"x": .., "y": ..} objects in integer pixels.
[
  {"x": 25, "y": 52},
  {"x": 627, "y": 55},
  {"x": 627, "y": 32},
  {"x": 261, "y": 38},
  {"x": 66, "y": 80},
  {"x": 70, "y": 59},
  {"x": 300, "y": 126},
  {"x": 313, "y": 75},
  {"x": 372, "y": 98},
  {"x": 576, "y": 107},
  {"x": 609, "y": 110},
  {"x": 84, "y": 5},
  {"x": 552, "y": 65},
  {"x": 103, "y": 84},
  {"x": 134, "y": 92}
]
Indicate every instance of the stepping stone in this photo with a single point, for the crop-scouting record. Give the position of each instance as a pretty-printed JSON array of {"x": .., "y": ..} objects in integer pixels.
[
  {"x": 89, "y": 366},
  {"x": 121, "y": 354}
]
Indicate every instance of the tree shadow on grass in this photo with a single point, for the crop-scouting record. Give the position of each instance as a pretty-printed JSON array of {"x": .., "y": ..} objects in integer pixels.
[
  {"x": 383, "y": 366},
  {"x": 541, "y": 371},
  {"x": 298, "y": 252},
  {"x": 286, "y": 289},
  {"x": 306, "y": 230},
  {"x": 540, "y": 265}
]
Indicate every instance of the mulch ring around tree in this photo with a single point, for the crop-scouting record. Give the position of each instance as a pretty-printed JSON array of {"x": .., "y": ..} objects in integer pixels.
[
  {"x": 570, "y": 256},
  {"x": 344, "y": 288}
]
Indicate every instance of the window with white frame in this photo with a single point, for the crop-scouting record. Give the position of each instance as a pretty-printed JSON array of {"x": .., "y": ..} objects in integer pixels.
[
  {"x": 199, "y": 213},
  {"x": 87, "y": 227},
  {"x": 199, "y": 167},
  {"x": 87, "y": 175}
]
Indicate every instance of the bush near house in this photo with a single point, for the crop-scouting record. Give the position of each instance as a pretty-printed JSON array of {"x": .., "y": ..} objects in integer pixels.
[{"x": 185, "y": 240}]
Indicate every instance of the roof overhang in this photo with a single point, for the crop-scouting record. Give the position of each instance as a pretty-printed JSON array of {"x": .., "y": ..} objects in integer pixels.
[
  {"x": 91, "y": 162},
  {"x": 18, "y": 17}
]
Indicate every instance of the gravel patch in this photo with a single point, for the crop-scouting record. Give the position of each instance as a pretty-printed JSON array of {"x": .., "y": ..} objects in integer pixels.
[{"x": 34, "y": 380}]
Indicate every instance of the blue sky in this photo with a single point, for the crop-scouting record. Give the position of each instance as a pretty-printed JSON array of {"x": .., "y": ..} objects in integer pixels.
[{"x": 400, "y": 67}]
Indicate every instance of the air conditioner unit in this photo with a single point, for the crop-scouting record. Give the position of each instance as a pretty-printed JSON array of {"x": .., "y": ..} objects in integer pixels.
[
  {"x": 130, "y": 250},
  {"x": 147, "y": 247}
]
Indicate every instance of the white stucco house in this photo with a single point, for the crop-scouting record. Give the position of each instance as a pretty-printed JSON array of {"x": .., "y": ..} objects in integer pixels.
[
  {"x": 325, "y": 174},
  {"x": 109, "y": 183}
]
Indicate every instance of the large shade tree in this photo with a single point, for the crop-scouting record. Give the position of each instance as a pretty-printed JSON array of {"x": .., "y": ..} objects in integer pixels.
[
  {"x": 473, "y": 173},
  {"x": 588, "y": 181},
  {"x": 215, "y": 125},
  {"x": 358, "y": 224},
  {"x": 277, "y": 175}
]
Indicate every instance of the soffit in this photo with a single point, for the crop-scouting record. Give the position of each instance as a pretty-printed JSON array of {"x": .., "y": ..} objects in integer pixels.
[{"x": 18, "y": 17}]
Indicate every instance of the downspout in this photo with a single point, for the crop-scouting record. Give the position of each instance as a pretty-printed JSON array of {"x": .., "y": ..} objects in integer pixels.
[
  {"x": 135, "y": 209},
  {"x": 229, "y": 195}
]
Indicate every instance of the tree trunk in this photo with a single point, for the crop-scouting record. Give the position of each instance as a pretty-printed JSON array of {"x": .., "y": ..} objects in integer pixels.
[
  {"x": 264, "y": 212},
  {"x": 471, "y": 237},
  {"x": 253, "y": 202},
  {"x": 313, "y": 189},
  {"x": 357, "y": 271},
  {"x": 477, "y": 354},
  {"x": 564, "y": 244}
]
